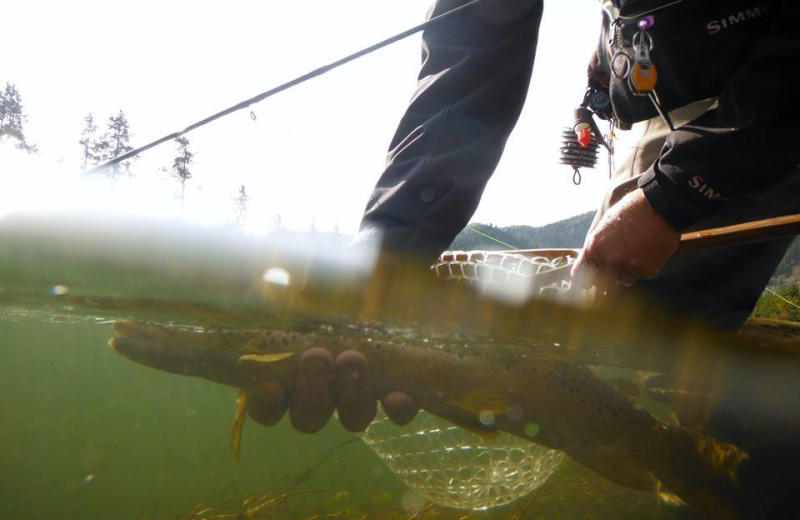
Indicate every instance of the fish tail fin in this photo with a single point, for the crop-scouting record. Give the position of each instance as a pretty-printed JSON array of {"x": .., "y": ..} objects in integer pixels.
[{"x": 702, "y": 470}]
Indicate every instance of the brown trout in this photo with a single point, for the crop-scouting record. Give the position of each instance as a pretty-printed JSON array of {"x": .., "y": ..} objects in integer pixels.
[{"x": 551, "y": 402}]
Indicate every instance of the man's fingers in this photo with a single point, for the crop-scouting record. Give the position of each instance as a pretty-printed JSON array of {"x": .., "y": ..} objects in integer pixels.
[
  {"x": 590, "y": 280},
  {"x": 400, "y": 407},
  {"x": 355, "y": 399},
  {"x": 630, "y": 242},
  {"x": 312, "y": 400},
  {"x": 323, "y": 384},
  {"x": 267, "y": 403},
  {"x": 580, "y": 265}
]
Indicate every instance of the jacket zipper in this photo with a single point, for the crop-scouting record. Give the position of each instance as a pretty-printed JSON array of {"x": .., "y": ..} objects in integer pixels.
[{"x": 650, "y": 11}]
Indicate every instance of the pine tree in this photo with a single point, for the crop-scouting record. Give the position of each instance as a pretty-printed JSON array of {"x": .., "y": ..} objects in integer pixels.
[
  {"x": 241, "y": 199},
  {"x": 114, "y": 142},
  {"x": 180, "y": 166},
  {"x": 12, "y": 117},
  {"x": 4, "y": 111},
  {"x": 88, "y": 142}
]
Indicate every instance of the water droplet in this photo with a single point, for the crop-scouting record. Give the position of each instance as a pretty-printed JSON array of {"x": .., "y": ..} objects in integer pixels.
[
  {"x": 532, "y": 429},
  {"x": 486, "y": 417},
  {"x": 412, "y": 502}
]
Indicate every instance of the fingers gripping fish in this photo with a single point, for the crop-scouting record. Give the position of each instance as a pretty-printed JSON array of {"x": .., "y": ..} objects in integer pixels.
[{"x": 573, "y": 410}]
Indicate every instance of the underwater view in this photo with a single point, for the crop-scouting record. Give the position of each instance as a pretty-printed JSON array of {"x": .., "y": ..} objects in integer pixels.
[{"x": 87, "y": 433}]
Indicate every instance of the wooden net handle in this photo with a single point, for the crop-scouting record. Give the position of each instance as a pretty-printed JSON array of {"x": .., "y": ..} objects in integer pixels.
[{"x": 755, "y": 231}]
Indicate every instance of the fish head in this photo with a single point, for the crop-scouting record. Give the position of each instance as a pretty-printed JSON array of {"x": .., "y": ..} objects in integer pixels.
[{"x": 180, "y": 350}]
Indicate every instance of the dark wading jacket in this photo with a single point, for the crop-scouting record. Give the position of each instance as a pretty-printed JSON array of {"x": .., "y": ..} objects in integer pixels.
[
  {"x": 738, "y": 161},
  {"x": 739, "y": 51}
]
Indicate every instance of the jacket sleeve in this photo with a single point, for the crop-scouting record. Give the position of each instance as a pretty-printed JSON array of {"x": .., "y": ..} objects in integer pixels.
[
  {"x": 474, "y": 79},
  {"x": 748, "y": 145}
]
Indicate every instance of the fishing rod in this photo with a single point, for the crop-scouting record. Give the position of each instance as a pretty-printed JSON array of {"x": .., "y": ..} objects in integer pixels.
[{"x": 289, "y": 84}]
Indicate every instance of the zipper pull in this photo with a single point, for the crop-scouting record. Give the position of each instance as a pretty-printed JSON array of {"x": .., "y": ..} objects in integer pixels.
[{"x": 643, "y": 75}]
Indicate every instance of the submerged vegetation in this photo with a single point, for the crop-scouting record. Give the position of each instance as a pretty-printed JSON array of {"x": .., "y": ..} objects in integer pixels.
[{"x": 575, "y": 493}]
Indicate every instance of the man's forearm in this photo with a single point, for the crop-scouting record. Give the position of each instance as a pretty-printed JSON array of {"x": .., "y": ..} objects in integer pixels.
[
  {"x": 746, "y": 146},
  {"x": 474, "y": 80}
]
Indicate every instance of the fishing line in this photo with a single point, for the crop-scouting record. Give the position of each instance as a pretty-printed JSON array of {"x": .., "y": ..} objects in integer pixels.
[
  {"x": 782, "y": 298},
  {"x": 79, "y": 413},
  {"x": 491, "y": 238},
  {"x": 285, "y": 86}
]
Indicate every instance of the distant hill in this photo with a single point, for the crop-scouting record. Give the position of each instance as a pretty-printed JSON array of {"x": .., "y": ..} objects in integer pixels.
[
  {"x": 788, "y": 271},
  {"x": 564, "y": 233},
  {"x": 571, "y": 233}
]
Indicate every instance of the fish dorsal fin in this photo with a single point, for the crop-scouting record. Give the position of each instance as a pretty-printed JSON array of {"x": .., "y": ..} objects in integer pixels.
[
  {"x": 615, "y": 465},
  {"x": 482, "y": 400},
  {"x": 266, "y": 358},
  {"x": 238, "y": 423}
]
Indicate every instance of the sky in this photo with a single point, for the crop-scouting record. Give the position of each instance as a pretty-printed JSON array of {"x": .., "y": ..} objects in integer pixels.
[{"x": 308, "y": 156}]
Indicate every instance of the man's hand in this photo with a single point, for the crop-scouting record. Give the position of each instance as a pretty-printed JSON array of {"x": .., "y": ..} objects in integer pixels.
[
  {"x": 631, "y": 241},
  {"x": 324, "y": 383}
]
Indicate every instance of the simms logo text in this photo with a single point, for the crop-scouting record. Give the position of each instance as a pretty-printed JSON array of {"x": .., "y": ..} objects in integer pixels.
[
  {"x": 699, "y": 184},
  {"x": 715, "y": 26}
]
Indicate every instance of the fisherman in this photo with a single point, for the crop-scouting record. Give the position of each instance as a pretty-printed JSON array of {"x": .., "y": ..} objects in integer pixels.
[
  {"x": 721, "y": 81},
  {"x": 724, "y": 70}
]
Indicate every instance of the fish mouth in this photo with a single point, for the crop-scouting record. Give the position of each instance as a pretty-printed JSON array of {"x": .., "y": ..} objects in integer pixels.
[
  {"x": 135, "y": 340},
  {"x": 161, "y": 347}
]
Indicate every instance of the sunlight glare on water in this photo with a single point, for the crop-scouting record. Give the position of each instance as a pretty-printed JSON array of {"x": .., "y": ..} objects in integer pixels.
[{"x": 277, "y": 276}]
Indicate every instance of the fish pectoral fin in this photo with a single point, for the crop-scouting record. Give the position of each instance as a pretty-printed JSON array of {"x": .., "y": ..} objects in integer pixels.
[
  {"x": 478, "y": 429},
  {"x": 238, "y": 423},
  {"x": 265, "y": 358},
  {"x": 615, "y": 465},
  {"x": 482, "y": 400},
  {"x": 478, "y": 401}
]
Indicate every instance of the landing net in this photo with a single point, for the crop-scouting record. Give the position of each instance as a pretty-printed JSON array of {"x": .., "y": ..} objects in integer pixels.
[
  {"x": 455, "y": 468},
  {"x": 447, "y": 464},
  {"x": 510, "y": 267}
]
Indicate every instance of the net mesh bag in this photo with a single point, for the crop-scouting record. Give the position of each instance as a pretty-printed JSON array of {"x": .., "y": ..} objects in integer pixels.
[
  {"x": 455, "y": 468},
  {"x": 502, "y": 268},
  {"x": 451, "y": 466}
]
